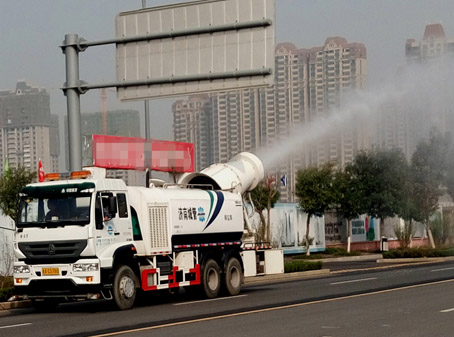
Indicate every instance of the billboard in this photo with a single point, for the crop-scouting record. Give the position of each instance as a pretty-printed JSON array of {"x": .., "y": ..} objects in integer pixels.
[
  {"x": 194, "y": 47},
  {"x": 129, "y": 153}
]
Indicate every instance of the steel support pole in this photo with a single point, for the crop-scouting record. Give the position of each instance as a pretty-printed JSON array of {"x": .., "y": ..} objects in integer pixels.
[
  {"x": 73, "y": 101},
  {"x": 148, "y": 144}
]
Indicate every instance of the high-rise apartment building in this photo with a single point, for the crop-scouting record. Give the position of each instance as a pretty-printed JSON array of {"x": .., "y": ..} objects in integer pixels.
[
  {"x": 28, "y": 132},
  {"x": 309, "y": 83},
  {"x": 192, "y": 124},
  {"x": 403, "y": 127},
  {"x": 394, "y": 128},
  {"x": 335, "y": 69},
  {"x": 433, "y": 45}
]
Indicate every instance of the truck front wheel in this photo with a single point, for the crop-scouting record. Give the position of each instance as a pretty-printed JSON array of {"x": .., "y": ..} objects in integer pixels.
[
  {"x": 211, "y": 279},
  {"x": 125, "y": 288}
]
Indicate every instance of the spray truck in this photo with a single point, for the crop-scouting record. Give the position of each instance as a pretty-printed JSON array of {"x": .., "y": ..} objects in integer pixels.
[{"x": 84, "y": 236}]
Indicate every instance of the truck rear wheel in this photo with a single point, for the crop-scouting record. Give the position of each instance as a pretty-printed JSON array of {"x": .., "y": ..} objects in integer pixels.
[
  {"x": 233, "y": 277},
  {"x": 125, "y": 288},
  {"x": 211, "y": 281}
]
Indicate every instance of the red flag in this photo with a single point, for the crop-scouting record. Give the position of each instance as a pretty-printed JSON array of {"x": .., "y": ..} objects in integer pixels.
[{"x": 40, "y": 172}]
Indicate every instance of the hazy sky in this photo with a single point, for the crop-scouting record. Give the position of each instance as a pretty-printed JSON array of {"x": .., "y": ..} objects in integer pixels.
[{"x": 32, "y": 31}]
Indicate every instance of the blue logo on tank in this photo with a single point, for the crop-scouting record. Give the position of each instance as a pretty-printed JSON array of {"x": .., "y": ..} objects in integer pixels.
[{"x": 201, "y": 214}]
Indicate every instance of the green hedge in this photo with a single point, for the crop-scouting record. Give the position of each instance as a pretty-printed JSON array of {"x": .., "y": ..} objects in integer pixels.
[
  {"x": 418, "y": 252},
  {"x": 294, "y": 266},
  {"x": 329, "y": 252},
  {"x": 5, "y": 294},
  {"x": 6, "y": 287},
  {"x": 340, "y": 252}
]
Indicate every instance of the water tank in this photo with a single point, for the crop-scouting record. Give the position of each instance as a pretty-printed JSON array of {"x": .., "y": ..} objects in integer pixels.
[{"x": 242, "y": 173}]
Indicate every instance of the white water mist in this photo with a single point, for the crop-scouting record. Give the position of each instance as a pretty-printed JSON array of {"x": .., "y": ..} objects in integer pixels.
[{"x": 424, "y": 92}]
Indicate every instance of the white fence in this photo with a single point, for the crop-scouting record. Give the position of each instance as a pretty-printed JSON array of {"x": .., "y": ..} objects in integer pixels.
[{"x": 6, "y": 245}]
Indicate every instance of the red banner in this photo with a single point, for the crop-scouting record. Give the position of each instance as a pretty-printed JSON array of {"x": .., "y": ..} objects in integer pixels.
[
  {"x": 129, "y": 153},
  {"x": 40, "y": 171}
]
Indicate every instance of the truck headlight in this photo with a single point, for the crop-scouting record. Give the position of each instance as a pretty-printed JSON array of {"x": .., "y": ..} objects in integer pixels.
[
  {"x": 85, "y": 267},
  {"x": 24, "y": 269}
]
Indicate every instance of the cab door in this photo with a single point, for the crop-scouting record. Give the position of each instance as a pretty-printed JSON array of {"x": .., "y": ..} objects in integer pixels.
[{"x": 113, "y": 224}]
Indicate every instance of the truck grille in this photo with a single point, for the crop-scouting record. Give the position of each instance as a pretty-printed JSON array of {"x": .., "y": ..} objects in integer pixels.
[{"x": 52, "y": 251}]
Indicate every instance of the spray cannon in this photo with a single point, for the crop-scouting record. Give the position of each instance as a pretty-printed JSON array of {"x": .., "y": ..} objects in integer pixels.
[{"x": 242, "y": 173}]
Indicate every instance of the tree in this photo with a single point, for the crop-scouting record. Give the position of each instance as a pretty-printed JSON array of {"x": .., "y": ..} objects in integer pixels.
[
  {"x": 382, "y": 174},
  {"x": 13, "y": 181},
  {"x": 409, "y": 210},
  {"x": 348, "y": 197},
  {"x": 429, "y": 166},
  {"x": 315, "y": 190},
  {"x": 265, "y": 196}
]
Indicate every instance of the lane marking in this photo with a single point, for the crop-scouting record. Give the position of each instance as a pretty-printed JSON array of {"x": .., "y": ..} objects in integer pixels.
[
  {"x": 447, "y": 310},
  {"x": 354, "y": 281},
  {"x": 211, "y": 300},
  {"x": 442, "y": 269},
  {"x": 257, "y": 311},
  {"x": 14, "y": 326},
  {"x": 383, "y": 267}
]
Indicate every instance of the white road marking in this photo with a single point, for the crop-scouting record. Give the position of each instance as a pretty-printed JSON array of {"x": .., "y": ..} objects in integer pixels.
[
  {"x": 447, "y": 310},
  {"x": 14, "y": 326},
  {"x": 353, "y": 281},
  {"x": 210, "y": 300},
  {"x": 441, "y": 269},
  {"x": 251, "y": 312}
]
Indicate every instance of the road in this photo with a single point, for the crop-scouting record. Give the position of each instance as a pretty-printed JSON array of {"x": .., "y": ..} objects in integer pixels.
[{"x": 416, "y": 300}]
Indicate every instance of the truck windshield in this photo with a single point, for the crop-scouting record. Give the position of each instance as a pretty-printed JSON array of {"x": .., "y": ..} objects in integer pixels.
[{"x": 48, "y": 206}]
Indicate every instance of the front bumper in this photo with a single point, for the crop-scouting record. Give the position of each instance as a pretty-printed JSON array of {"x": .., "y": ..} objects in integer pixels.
[{"x": 57, "y": 280}]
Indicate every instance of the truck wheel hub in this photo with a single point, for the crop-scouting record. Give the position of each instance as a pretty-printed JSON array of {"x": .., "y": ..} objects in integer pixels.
[
  {"x": 212, "y": 279},
  {"x": 127, "y": 287},
  {"x": 235, "y": 277}
]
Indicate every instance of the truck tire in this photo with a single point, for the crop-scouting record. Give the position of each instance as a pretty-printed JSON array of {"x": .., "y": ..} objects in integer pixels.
[
  {"x": 124, "y": 288},
  {"x": 233, "y": 277},
  {"x": 211, "y": 279}
]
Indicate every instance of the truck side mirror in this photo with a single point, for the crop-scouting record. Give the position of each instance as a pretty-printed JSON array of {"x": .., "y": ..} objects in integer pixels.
[
  {"x": 98, "y": 218},
  {"x": 113, "y": 205}
]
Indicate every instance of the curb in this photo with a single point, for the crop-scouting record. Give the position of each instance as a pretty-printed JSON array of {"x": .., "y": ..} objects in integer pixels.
[
  {"x": 416, "y": 259},
  {"x": 285, "y": 276},
  {"x": 15, "y": 305},
  {"x": 351, "y": 258}
]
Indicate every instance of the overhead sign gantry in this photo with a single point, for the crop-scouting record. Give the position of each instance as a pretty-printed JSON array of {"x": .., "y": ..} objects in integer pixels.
[{"x": 201, "y": 46}]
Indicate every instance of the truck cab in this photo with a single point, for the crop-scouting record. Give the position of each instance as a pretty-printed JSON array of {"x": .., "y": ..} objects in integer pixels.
[{"x": 68, "y": 232}]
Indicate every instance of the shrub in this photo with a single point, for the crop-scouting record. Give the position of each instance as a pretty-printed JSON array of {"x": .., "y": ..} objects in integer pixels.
[
  {"x": 294, "y": 266},
  {"x": 6, "y": 287},
  {"x": 335, "y": 251},
  {"x": 5, "y": 293},
  {"x": 6, "y": 282},
  {"x": 405, "y": 233},
  {"x": 418, "y": 252}
]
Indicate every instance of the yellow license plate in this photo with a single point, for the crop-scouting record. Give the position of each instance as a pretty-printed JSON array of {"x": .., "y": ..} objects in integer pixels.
[{"x": 51, "y": 271}]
